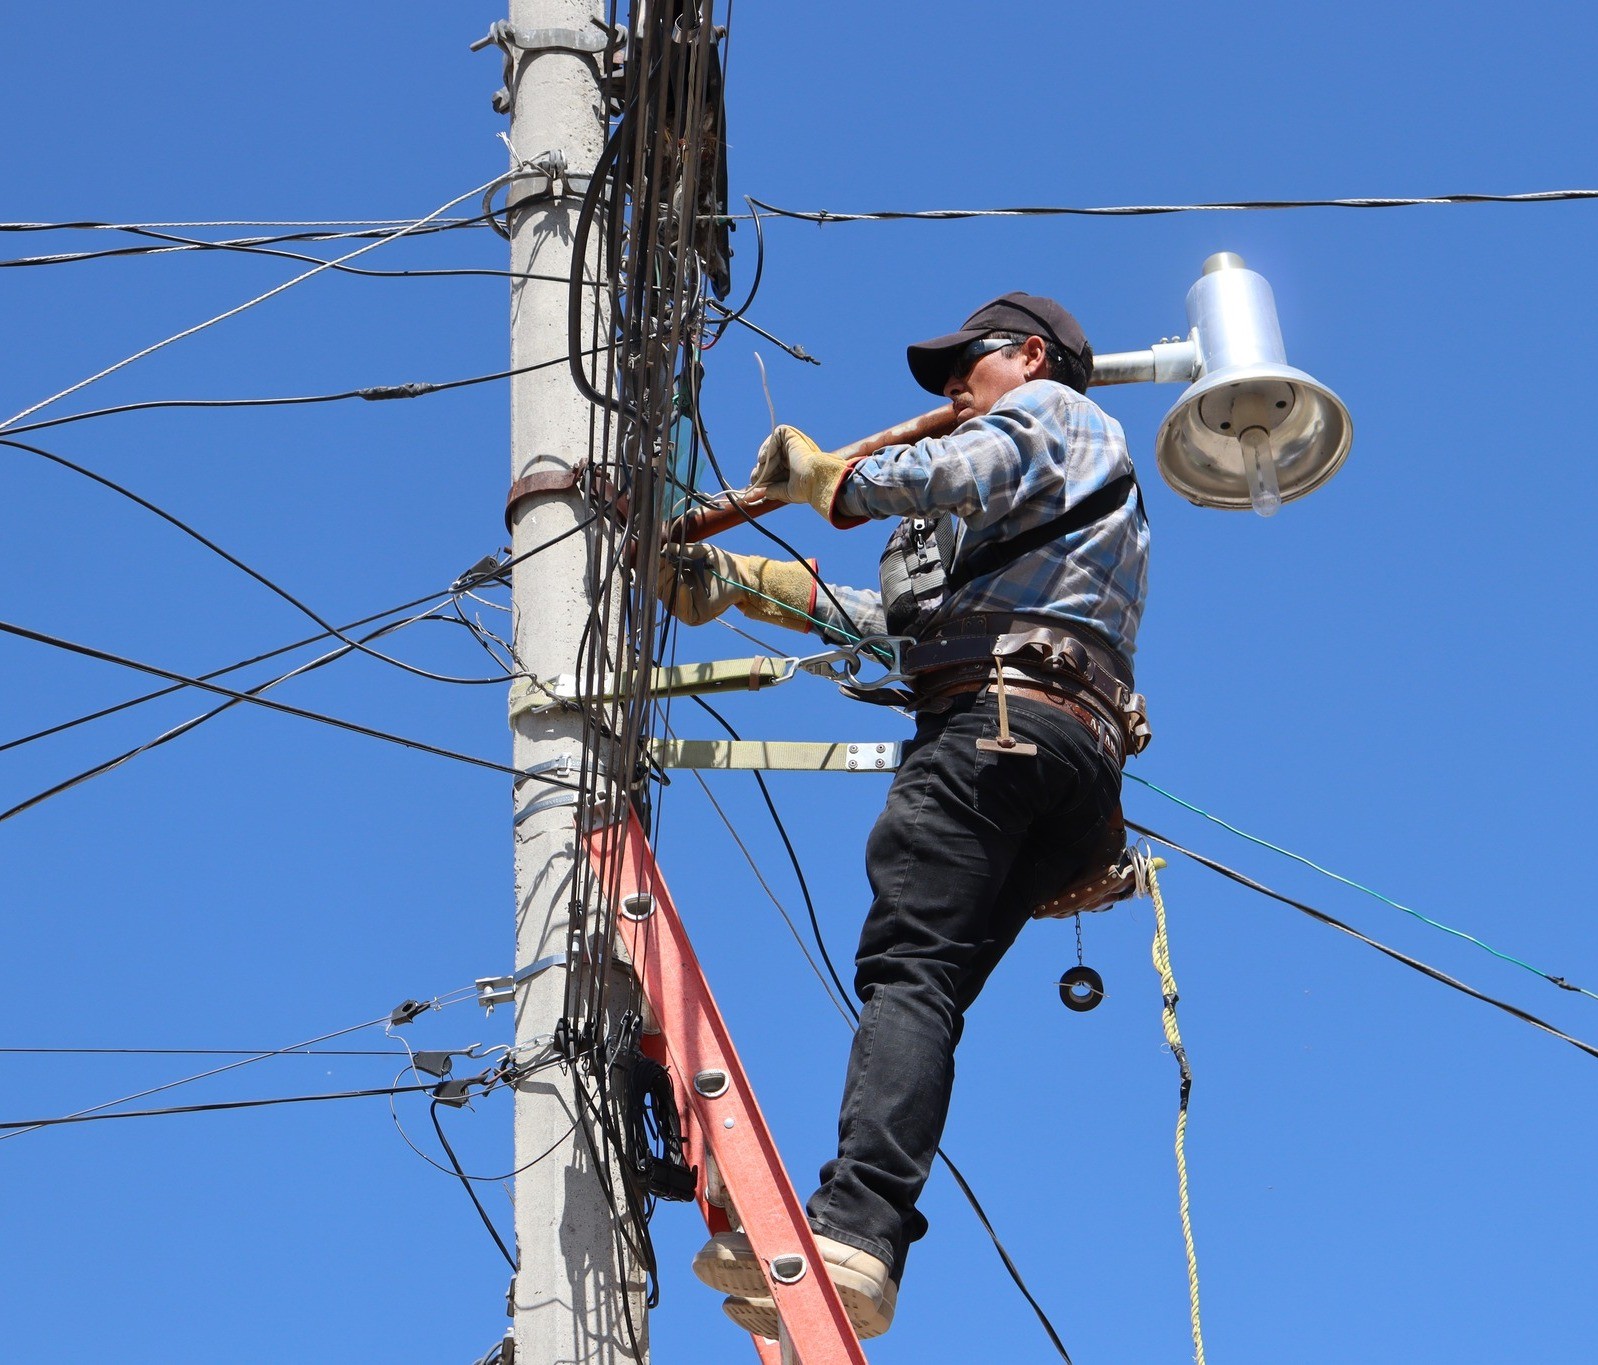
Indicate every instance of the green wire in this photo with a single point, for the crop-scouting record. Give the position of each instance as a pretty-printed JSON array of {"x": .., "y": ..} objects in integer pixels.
[
  {"x": 1346, "y": 881},
  {"x": 877, "y": 650}
]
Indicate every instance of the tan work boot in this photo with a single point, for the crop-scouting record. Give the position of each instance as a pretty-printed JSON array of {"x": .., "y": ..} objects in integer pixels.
[{"x": 727, "y": 1262}]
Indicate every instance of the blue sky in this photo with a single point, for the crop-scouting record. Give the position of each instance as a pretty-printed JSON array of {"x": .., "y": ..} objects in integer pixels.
[{"x": 1388, "y": 677}]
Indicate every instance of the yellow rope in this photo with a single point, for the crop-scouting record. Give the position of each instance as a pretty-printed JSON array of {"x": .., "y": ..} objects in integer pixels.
[{"x": 1173, "y": 1036}]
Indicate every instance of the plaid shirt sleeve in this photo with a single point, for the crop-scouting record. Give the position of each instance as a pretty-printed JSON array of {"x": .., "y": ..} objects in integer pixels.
[
  {"x": 864, "y": 614},
  {"x": 1041, "y": 450}
]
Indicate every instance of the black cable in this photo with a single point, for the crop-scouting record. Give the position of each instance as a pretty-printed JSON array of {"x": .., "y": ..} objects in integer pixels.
[
  {"x": 201, "y": 1051},
  {"x": 241, "y": 243},
  {"x": 1004, "y": 1256},
  {"x": 844, "y": 993},
  {"x": 732, "y": 315},
  {"x": 214, "y": 673},
  {"x": 261, "y": 250},
  {"x": 104, "y": 656},
  {"x": 1139, "y": 210},
  {"x": 432, "y": 1113},
  {"x": 211, "y": 1108},
  {"x": 794, "y": 349},
  {"x": 371, "y": 394},
  {"x": 1322, "y": 917},
  {"x": 194, "y": 722},
  {"x": 574, "y": 301},
  {"x": 760, "y": 526},
  {"x": 240, "y": 565}
]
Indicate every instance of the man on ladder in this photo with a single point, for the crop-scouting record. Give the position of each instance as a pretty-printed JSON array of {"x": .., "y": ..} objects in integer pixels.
[{"x": 1020, "y": 568}]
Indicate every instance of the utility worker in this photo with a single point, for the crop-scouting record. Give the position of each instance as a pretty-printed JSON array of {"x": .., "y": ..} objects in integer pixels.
[{"x": 1020, "y": 569}]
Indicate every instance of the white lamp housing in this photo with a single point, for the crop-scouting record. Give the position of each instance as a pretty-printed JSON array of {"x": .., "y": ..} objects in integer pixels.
[{"x": 1251, "y": 431}]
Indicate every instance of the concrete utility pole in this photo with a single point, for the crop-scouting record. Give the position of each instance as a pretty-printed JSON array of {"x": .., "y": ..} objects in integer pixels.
[{"x": 568, "y": 1293}]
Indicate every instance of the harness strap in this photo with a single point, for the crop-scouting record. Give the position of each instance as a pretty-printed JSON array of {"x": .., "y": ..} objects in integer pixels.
[{"x": 991, "y": 558}]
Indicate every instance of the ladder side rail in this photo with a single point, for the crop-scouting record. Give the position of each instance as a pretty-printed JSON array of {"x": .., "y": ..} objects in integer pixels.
[{"x": 728, "y": 1123}]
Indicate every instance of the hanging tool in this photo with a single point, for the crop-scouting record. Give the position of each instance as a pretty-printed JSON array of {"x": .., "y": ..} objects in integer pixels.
[{"x": 727, "y": 510}]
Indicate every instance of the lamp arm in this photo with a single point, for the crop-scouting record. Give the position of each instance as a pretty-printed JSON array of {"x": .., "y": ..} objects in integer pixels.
[{"x": 1167, "y": 362}]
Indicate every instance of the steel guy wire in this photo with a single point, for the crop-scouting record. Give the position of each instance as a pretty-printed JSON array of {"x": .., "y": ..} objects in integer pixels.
[
  {"x": 80, "y": 1114},
  {"x": 105, "y": 656},
  {"x": 1331, "y": 922},
  {"x": 1138, "y": 210},
  {"x": 1559, "y": 981},
  {"x": 249, "y": 303}
]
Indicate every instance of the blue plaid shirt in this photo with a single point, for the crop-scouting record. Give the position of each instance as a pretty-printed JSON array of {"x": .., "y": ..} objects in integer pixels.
[{"x": 1042, "y": 449}]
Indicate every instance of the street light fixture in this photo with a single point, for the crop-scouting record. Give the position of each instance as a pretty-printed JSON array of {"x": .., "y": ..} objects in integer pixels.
[{"x": 1250, "y": 431}]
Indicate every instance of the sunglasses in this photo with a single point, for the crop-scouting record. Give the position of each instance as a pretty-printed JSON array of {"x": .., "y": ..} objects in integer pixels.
[{"x": 966, "y": 361}]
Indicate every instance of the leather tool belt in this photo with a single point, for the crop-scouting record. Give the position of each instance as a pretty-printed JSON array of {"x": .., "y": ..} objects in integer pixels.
[
  {"x": 1042, "y": 658},
  {"x": 1109, "y": 876}
]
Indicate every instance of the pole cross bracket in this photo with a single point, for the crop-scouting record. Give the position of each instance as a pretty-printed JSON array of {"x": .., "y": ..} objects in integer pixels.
[
  {"x": 515, "y": 43},
  {"x": 812, "y": 756}
]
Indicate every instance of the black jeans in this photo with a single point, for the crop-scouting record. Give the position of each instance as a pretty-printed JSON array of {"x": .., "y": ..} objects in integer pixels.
[{"x": 968, "y": 844}]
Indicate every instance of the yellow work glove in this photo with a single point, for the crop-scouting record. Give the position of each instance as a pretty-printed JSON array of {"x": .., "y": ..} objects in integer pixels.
[
  {"x": 699, "y": 582},
  {"x": 792, "y": 468}
]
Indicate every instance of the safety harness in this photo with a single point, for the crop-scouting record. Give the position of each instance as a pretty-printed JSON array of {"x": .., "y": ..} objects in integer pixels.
[{"x": 1068, "y": 666}]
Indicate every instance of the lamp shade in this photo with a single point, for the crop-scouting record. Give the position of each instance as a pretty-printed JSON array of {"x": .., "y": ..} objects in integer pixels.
[
  {"x": 1199, "y": 450},
  {"x": 1251, "y": 430}
]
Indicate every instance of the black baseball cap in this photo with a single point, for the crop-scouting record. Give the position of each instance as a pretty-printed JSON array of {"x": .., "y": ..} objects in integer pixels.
[{"x": 932, "y": 362}]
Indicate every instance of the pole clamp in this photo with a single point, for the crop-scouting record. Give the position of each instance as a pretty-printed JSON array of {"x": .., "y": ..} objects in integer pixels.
[{"x": 515, "y": 43}]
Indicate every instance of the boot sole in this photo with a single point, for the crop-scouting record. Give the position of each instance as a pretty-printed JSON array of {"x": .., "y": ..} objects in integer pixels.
[
  {"x": 737, "y": 1275},
  {"x": 869, "y": 1316}
]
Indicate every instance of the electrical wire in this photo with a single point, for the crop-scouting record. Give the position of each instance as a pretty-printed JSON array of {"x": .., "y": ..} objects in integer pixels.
[
  {"x": 239, "y": 564},
  {"x": 798, "y": 869},
  {"x": 184, "y": 727},
  {"x": 105, "y": 656},
  {"x": 375, "y": 226},
  {"x": 83, "y": 1115},
  {"x": 432, "y": 1113},
  {"x": 249, "y": 303},
  {"x": 1322, "y": 917},
  {"x": 766, "y": 531},
  {"x": 371, "y": 394},
  {"x": 256, "y": 248},
  {"x": 19, "y": 1126},
  {"x": 159, "y": 692},
  {"x": 1138, "y": 210},
  {"x": 1299, "y": 858},
  {"x": 197, "y": 1052},
  {"x": 843, "y": 994}
]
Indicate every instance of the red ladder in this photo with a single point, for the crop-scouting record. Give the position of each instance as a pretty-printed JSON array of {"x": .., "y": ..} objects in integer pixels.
[{"x": 722, "y": 1124}]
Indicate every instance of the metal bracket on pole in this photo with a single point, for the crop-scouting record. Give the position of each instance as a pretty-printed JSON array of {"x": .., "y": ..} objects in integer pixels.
[
  {"x": 513, "y": 43},
  {"x": 805, "y": 756},
  {"x": 501, "y": 990},
  {"x": 534, "y": 696}
]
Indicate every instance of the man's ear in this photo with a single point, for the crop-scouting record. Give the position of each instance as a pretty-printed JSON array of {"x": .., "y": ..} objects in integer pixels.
[{"x": 1036, "y": 355}]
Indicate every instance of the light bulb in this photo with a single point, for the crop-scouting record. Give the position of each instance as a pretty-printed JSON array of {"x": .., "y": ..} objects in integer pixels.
[{"x": 1259, "y": 469}]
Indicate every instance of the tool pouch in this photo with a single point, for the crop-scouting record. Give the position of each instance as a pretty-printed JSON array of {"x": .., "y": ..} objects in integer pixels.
[
  {"x": 1110, "y": 876},
  {"x": 1067, "y": 656}
]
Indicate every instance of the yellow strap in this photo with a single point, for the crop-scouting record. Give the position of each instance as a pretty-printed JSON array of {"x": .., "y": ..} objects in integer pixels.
[{"x": 1173, "y": 1036}]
